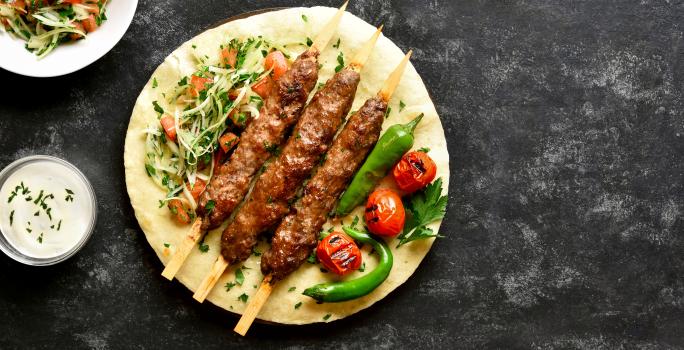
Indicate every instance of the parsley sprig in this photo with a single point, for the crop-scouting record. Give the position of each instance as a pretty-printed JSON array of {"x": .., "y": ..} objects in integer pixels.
[{"x": 423, "y": 208}]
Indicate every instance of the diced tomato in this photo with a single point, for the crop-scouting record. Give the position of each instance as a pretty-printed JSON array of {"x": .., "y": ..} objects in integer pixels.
[
  {"x": 18, "y": 4},
  {"x": 198, "y": 84},
  {"x": 233, "y": 94},
  {"x": 229, "y": 56},
  {"x": 197, "y": 190},
  {"x": 178, "y": 211},
  {"x": 227, "y": 141},
  {"x": 169, "y": 125},
  {"x": 276, "y": 61},
  {"x": 75, "y": 36},
  {"x": 263, "y": 87},
  {"x": 89, "y": 24}
]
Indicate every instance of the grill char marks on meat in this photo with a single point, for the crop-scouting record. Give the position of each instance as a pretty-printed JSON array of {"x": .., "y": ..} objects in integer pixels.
[
  {"x": 297, "y": 235},
  {"x": 281, "y": 110},
  {"x": 276, "y": 187}
]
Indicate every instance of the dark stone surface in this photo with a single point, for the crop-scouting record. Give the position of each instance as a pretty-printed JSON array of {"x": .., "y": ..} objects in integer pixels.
[{"x": 564, "y": 230}]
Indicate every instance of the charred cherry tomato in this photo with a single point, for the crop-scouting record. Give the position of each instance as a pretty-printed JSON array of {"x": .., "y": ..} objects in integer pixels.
[
  {"x": 414, "y": 171},
  {"x": 339, "y": 254},
  {"x": 385, "y": 214}
]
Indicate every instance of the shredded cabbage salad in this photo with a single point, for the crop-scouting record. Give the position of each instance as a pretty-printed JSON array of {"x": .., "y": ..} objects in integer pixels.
[
  {"x": 45, "y": 24},
  {"x": 215, "y": 100}
]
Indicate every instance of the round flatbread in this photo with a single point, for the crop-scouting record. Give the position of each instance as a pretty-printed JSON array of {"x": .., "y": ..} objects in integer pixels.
[{"x": 286, "y": 305}]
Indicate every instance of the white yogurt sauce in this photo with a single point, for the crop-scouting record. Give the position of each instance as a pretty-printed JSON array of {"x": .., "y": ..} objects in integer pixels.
[{"x": 49, "y": 224}]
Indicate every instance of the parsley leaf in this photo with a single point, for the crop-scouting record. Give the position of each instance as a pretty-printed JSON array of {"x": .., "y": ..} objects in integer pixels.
[
  {"x": 243, "y": 297},
  {"x": 203, "y": 247},
  {"x": 326, "y": 317},
  {"x": 229, "y": 285},
  {"x": 154, "y": 83},
  {"x": 298, "y": 305},
  {"x": 424, "y": 207},
  {"x": 157, "y": 108},
  {"x": 424, "y": 149},
  {"x": 210, "y": 206},
  {"x": 340, "y": 62},
  {"x": 304, "y": 18},
  {"x": 402, "y": 105},
  {"x": 239, "y": 276},
  {"x": 292, "y": 289}
]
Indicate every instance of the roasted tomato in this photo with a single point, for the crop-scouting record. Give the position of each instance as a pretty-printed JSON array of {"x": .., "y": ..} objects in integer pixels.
[
  {"x": 339, "y": 254},
  {"x": 277, "y": 62},
  {"x": 385, "y": 214},
  {"x": 197, "y": 189},
  {"x": 229, "y": 57},
  {"x": 414, "y": 171}
]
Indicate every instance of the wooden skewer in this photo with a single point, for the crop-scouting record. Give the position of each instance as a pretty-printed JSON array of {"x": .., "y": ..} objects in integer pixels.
[
  {"x": 210, "y": 280},
  {"x": 254, "y": 306},
  {"x": 323, "y": 38},
  {"x": 220, "y": 265},
  {"x": 183, "y": 250},
  {"x": 393, "y": 80},
  {"x": 362, "y": 56},
  {"x": 261, "y": 296}
]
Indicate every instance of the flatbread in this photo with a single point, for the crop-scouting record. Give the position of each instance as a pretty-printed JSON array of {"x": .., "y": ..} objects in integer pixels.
[{"x": 284, "y": 26}]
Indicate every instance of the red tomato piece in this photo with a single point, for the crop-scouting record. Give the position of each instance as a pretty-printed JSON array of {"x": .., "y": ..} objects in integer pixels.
[
  {"x": 198, "y": 84},
  {"x": 169, "y": 125},
  {"x": 89, "y": 24},
  {"x": 196, "y": 190},
  {"x": 339, "y": 253},
  {"x": 385, "y": 213},
  {"x": 18, "y": 4},
  {"x": 414, "y": 171},
  {"x": 77, "y": 26},
  {"x": 227, "y": 141},
  {"x": 263, "y": 87},
  {"x": 276, "y": 61},
  {"x": 178, "y": 211},
  {"x": 229, "y": 56}
]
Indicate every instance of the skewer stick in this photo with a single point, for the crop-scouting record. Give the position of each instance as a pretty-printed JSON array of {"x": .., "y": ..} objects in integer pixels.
[
  {"x": 393, "y": 80},
  {"x": 261, "y": 296},
  {"x": 183, "y": 250},
  {"x": 254, "y": 306},
  {"x": 362, "y": 55},
  {"x": 220, "y": 265},
  {"x": 323, "y": 38},
  {"x": 210, "y": 280}
]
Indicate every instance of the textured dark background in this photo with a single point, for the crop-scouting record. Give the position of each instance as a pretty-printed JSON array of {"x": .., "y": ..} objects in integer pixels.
[{"x": 565, "y": 124}]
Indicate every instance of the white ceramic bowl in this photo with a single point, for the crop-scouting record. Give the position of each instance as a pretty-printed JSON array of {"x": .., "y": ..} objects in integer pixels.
[{"x": 68, "y": 58}]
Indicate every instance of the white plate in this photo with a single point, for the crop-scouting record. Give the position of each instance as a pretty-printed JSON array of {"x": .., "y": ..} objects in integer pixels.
[{"x": 69, "y": 57}]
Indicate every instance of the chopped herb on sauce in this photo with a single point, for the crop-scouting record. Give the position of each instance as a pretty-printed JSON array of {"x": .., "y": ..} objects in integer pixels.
[
  {"x": 298, "y": 305},
  {"x": 243, "y": 297}
]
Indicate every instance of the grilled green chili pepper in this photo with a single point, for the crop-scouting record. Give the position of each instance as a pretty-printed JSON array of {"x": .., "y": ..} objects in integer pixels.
[
  {"x": 396, "y": 141},
  {"x": 352, "y": 289}
]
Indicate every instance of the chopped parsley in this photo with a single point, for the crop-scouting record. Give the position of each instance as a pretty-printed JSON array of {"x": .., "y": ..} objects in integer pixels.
[
  {"x": 309, "y": 42},
  {"x": 337, "y": 44},
  {"x": 292, "y": 289},
  {"x": 40, "y": 238},
  {"x": 210, "y": 206},
  {"x": 326, "y": 317},
  {"x": 157, "y": 107},
  {"x": 183, "y": 81},
  {"x": 69, "y": 195},
  {"x": 203, "y": 247},
  {"x": 387, "y": 113},
  {"x": 239, "y": 276},
  {"x": 340, "y": 62},
  {"x": 424, "y": 149},
  {"x": 166, "y": 245},
  {"x": 154, "y": 83},
  {"x": 304, "y": 18},
  {"x": 363, "y": 267},
  {"x": 229, "y": 286},
  {"x": 298, "y": 305},
  {"x": 243, "y": 297},
  {"x": 11, "y": 217},
  {"x": 402, "y": 105}
]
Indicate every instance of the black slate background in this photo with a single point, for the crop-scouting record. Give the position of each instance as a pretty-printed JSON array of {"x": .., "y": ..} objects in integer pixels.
[{"x": 565, "y": 125}]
